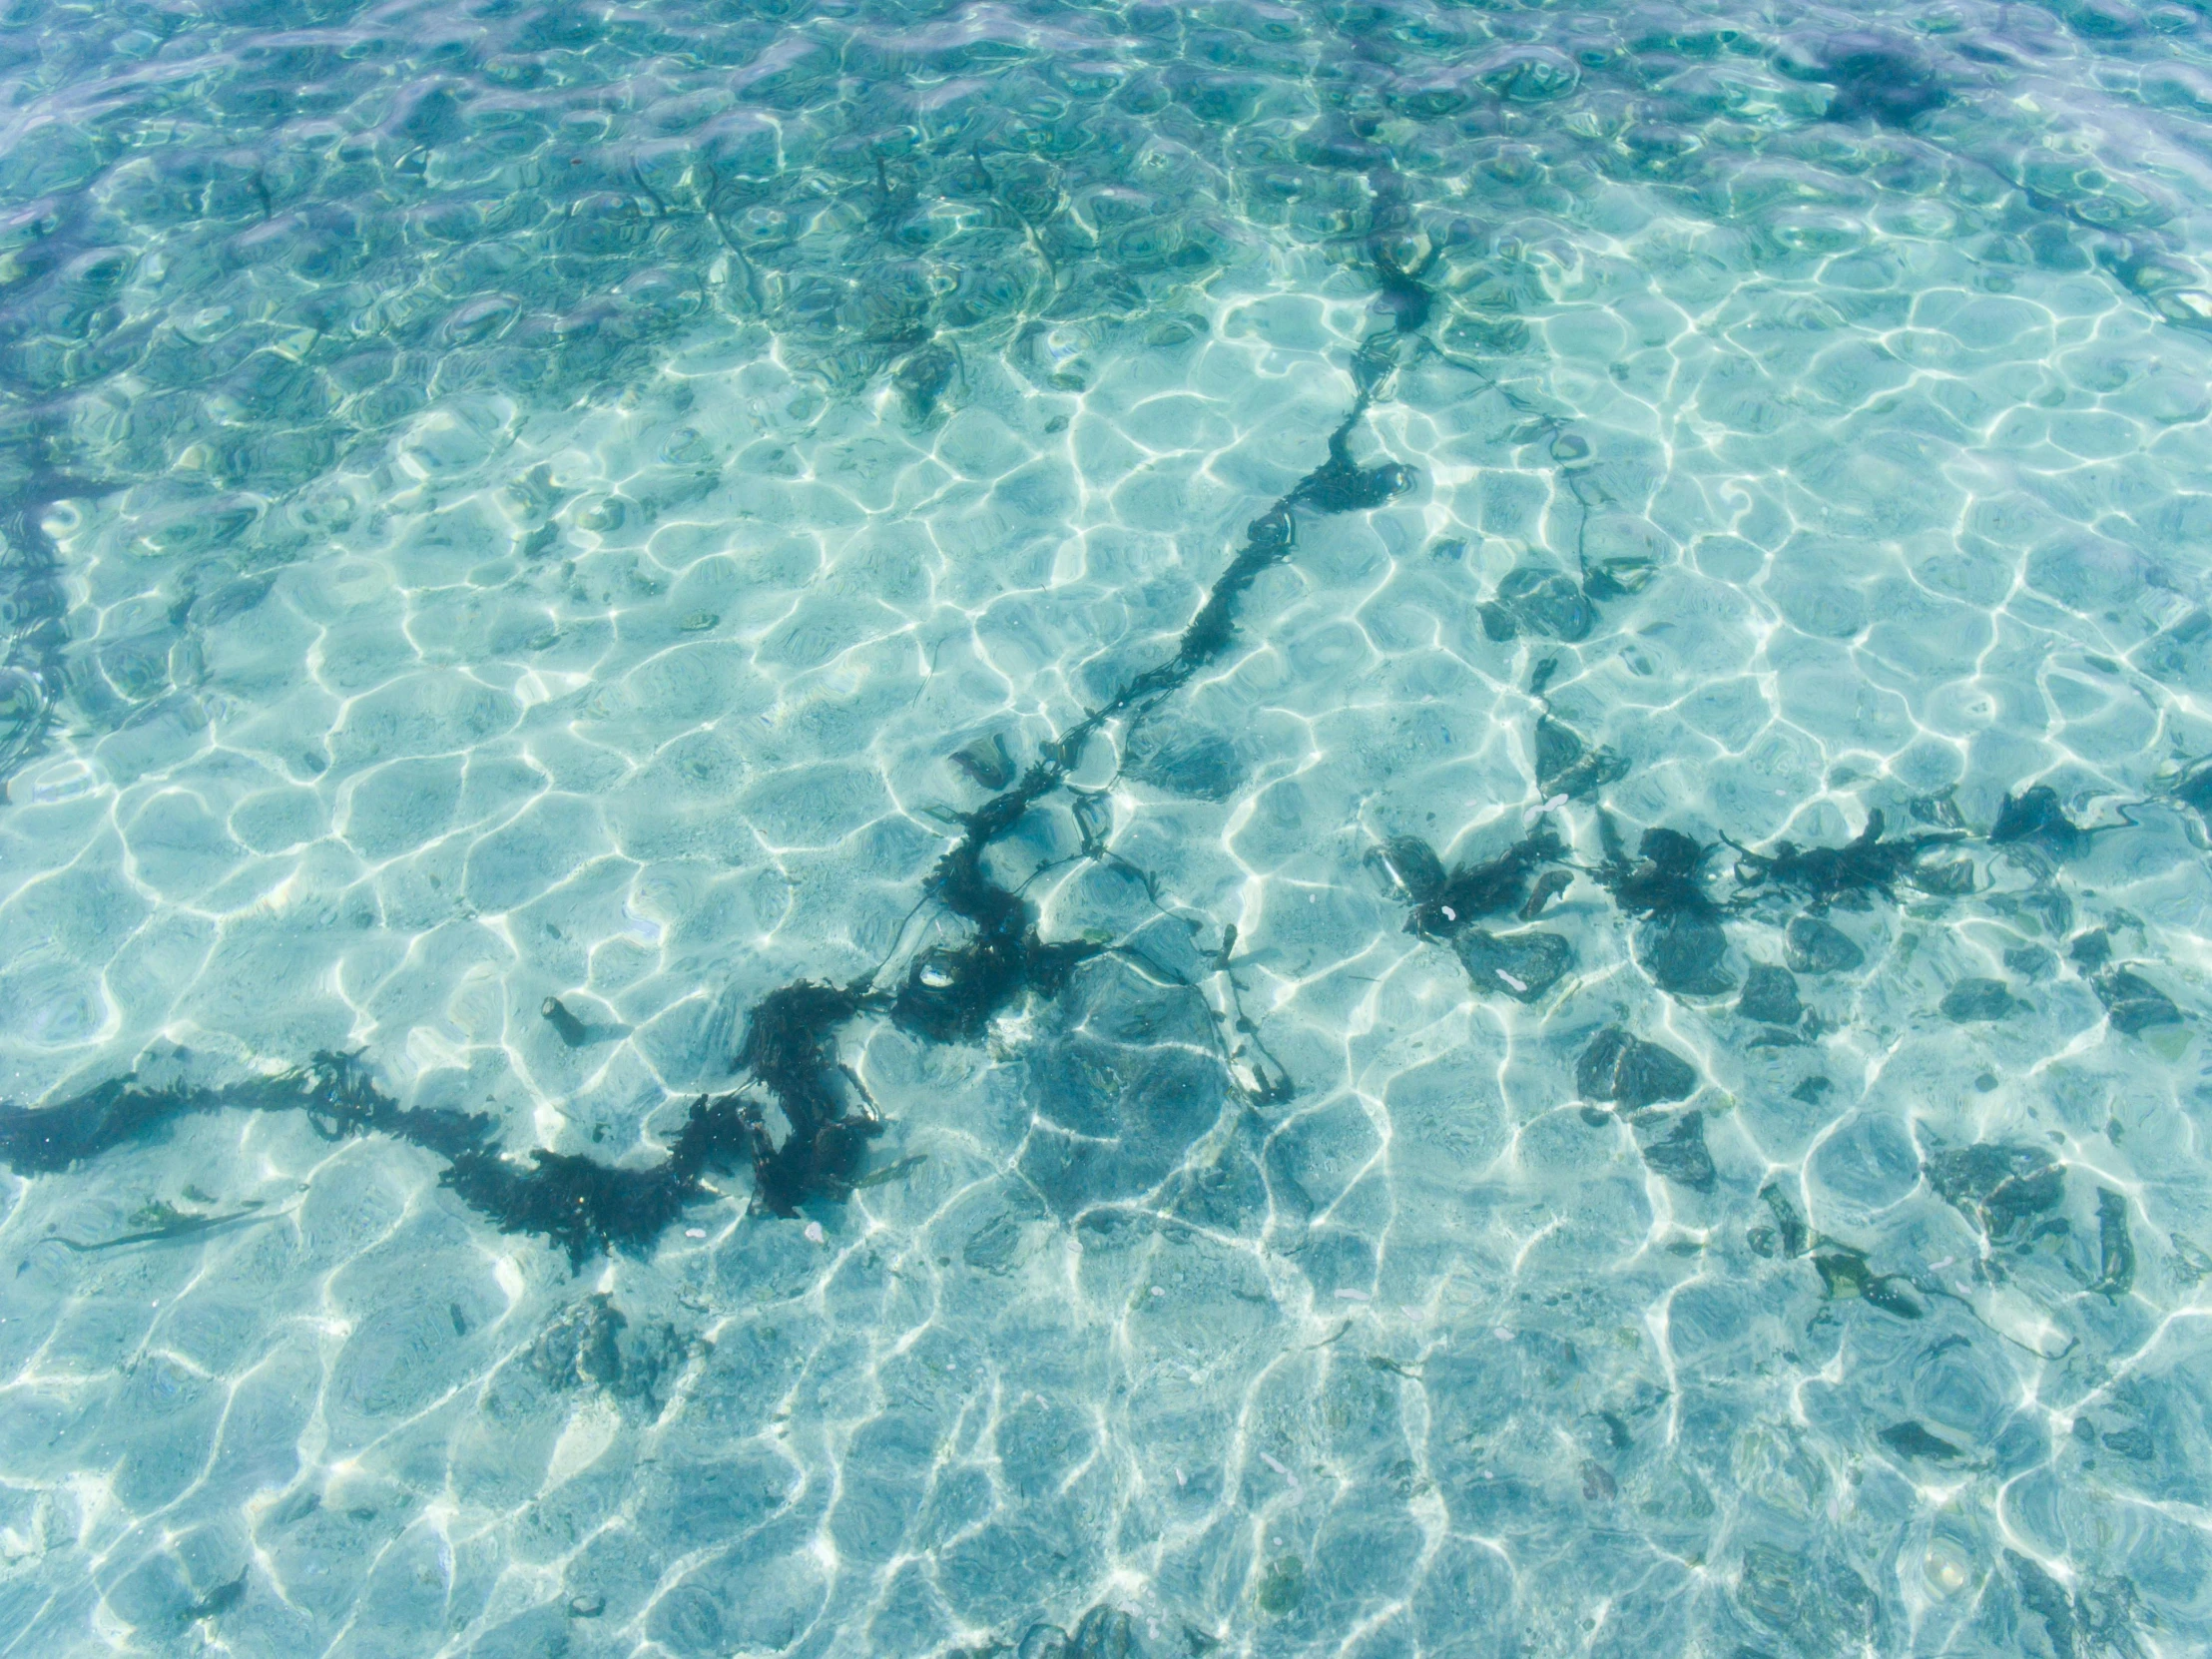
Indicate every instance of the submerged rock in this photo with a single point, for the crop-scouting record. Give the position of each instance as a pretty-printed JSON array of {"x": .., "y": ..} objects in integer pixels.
[
  {"x": 2004, "y": 1188},
  {"x": 1522, "y": 965},
  {"x": 1566, "y": 765},
  {"x": 1770, "y": 995},
  {"x": 1680, "y": 1155},
  {"x": 2134, "y": 1003},
  {"x": 1684, "y": 952},
  {"x": 1631, "y": 1073},
  {"x": 1973, "y": 1002},
  {"x": 1533, "y": 600},
  {"x": 1818, "y": 946}
]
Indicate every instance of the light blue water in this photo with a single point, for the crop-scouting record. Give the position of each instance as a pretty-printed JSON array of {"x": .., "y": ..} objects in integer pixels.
[{"x": 528, "y": 528}]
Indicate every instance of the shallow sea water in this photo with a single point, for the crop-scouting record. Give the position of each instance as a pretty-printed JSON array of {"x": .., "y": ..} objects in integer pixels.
[{"x": 526, "y": 529}]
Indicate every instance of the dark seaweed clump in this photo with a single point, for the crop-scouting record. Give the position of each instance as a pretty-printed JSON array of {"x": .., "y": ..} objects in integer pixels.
[
  {"x": 1679, "y": 942},
  {"x": 578, "y": 1203},
  {"x": 1445, "y": 905},
  {"x": 952, "y": 992},
  {"x": 789, "y": 1048},
  {"x": 585, "y": 1206},
  {"x": 334, "y": 1090},
  {"x": 2036, "y": 820},
  {"x": 807, "y": 1137},
  {"x": 1850, "y": 875}
]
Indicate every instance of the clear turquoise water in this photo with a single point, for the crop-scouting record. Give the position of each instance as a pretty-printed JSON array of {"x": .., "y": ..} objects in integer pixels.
[{"x": 516, "y": 507}]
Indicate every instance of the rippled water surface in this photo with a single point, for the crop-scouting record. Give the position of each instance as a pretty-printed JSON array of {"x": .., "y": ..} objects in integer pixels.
[{"x": 1361, "y": 828}]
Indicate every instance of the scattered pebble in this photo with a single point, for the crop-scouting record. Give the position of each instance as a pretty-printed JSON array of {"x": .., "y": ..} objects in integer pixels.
[
  {"x": 1450, "y": 914},
  {"x": 1349, "y": 1295},
  {"x": 695, "y": 1232},
  {"x": 814, "y": 1232},
  {"x": 1156, "y": 1290},
  {"x": 1517, "y": 984}
]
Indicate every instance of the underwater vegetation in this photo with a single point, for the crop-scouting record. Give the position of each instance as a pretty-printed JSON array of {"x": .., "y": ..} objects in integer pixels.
[
  {"x": 1445, "y": 905},
  {"x": 813, "y": 1147},
  {"x": 1678, "y": 939},
  {"x": 2036, "y": 820},
  {"x": 579, "y": 1204},
  {"x": 1850, "y": 875}
]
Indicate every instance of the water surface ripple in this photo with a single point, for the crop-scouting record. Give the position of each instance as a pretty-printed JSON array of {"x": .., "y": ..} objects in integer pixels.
[{"x": 1364, "y": 828}]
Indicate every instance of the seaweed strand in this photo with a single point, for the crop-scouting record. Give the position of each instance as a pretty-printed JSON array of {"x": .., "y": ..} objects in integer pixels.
[{"x": 805, "y": 1131}]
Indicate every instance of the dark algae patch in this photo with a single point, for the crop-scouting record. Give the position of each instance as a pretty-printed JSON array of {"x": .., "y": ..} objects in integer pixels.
[
  {"x": 805, "y": 1125},
  {"x": 578, "y": 1203},
  {"x": 1864, "y": 869},
  {"x": 1679, "y": 940},
  {"x": 1446, "y": 903},
  {"x": 2034, "y": 820}
]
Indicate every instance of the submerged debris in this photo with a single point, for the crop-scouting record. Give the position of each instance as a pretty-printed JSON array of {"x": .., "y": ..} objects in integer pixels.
[{"x": 1850, "y": 876}]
